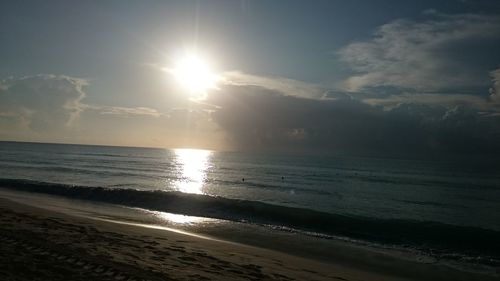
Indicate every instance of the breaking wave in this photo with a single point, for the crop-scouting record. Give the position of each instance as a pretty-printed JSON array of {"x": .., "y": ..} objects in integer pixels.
[{"x": 471, "y": 241}]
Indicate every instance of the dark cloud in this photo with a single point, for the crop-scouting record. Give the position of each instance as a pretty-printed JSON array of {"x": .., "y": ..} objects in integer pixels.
[{"x": 257, "y": 118}]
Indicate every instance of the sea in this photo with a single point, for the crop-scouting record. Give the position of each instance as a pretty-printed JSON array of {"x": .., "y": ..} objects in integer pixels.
[{"x": 440, "y": 210}]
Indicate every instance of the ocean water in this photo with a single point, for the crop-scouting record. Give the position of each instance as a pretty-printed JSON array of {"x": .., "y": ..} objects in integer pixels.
[{"x": 447, "y": 208}]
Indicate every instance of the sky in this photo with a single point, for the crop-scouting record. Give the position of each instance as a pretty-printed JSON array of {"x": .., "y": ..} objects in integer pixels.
[{"x": 342, "y": 77}]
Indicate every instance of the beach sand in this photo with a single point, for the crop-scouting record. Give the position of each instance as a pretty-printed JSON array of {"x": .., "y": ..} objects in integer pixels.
[
  {"x": 41, "y": 244},
  {"x": 38, "y": 244}
]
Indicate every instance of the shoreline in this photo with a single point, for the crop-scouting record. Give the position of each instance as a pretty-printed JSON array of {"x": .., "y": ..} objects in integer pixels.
[
  {"x": 93, "y": 250},
  {"x": 345, "y": 263}
]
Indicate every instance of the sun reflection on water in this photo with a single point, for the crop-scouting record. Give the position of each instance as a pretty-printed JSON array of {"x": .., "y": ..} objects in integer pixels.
[
  {"x": 193, "y": 164},
  {"x": 179, "y": 219}
]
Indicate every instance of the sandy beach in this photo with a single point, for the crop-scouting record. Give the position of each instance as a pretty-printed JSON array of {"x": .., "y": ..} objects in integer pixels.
[
  {"x": 43, "y": 244},
  {"x": 38, "y": 244}
]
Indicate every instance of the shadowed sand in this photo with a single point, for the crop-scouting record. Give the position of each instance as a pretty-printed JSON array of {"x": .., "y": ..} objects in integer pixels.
[{"x": 39, "y": 244}]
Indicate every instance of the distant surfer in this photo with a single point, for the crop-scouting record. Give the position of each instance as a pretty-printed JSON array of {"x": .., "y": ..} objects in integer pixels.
[{"x": 242, "y": 179}]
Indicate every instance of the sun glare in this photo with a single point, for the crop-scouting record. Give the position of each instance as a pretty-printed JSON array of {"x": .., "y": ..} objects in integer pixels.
[{"x": 194, "y": 74}]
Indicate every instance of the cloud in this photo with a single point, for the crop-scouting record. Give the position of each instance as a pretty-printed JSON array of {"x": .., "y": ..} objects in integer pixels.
[
  {"x": 250, "y": 112},
  {"x": 441, "y": 53},
  {"x": 53, "y": 108},
  {"x": 445, "y": 100},
  {"x": 259, "y": 118},
  {"x": 283, "y": 85},
  {"x": 273, "y": 113},
  {"x": 42, "y": 102},
  {"x": 127, "y": 111}
]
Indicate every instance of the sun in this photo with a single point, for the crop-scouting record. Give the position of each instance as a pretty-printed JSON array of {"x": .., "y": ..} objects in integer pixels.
[{"x": 194, "y": 73}]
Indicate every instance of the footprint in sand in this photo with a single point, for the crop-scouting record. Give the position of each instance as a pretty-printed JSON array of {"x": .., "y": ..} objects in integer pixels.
[{"x": 101, "y": 270}]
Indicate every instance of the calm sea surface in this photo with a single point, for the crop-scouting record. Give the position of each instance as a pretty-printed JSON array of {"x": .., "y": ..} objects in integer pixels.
[{"x": 456, "y": 193}]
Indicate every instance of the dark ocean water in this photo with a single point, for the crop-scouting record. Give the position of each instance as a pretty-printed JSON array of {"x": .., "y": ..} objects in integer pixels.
[{"x": 447, "y": 208}]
